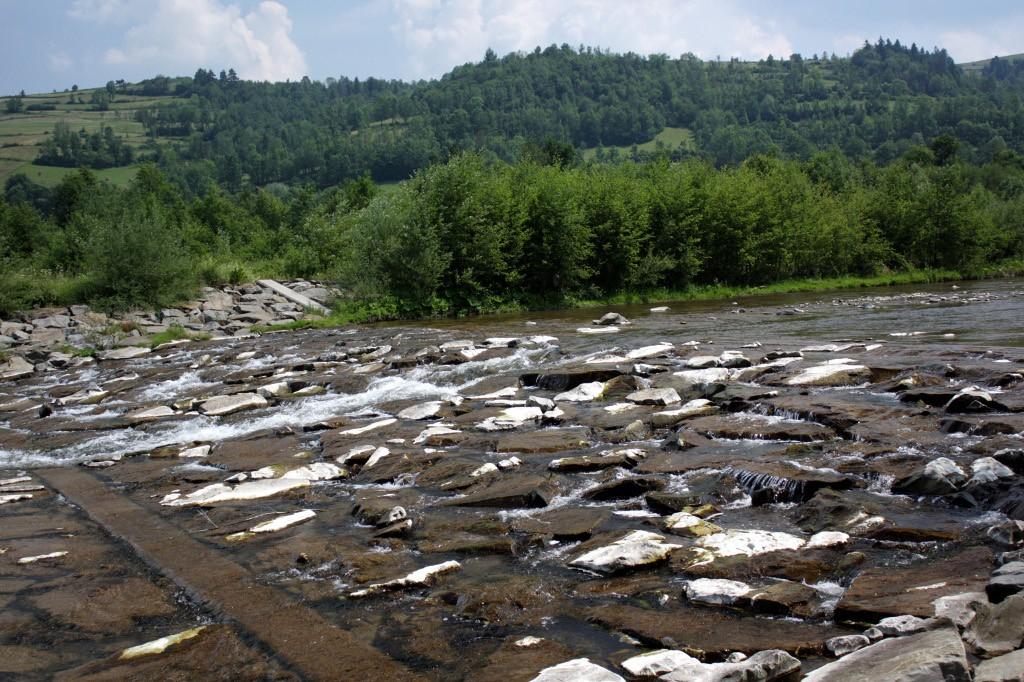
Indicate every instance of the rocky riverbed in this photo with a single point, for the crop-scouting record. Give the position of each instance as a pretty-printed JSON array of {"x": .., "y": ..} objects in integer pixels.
[{"x": 767, "y": 489}]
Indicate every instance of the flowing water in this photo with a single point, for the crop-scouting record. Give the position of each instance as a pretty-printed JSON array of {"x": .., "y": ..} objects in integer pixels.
[{"x": 767, "y": 459}]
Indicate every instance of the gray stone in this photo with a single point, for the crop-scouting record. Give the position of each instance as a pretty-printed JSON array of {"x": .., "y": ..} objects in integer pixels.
[
  {"x": 846, "y": 644},
  {"x": 654, "y": 396},
  {"x": 611, "y": 319},
  {"x": 16, "y": 367},
  {"x": 1006, "y": 580},
  {"x": 229, "y": 404},
  {"x": 1008, "y": 668},
  {"x": 125, "y": 353},
  {"x": 934, "y": 655},
  {"x": 997, "y": 629}
]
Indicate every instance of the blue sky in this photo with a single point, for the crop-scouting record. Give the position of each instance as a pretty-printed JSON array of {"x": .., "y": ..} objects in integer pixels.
[{"x": 52, "y": 44}]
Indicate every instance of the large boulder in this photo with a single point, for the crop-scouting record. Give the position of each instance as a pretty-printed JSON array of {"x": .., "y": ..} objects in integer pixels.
[
  {"x": 935, "y": 655},
  {"x": 941, "y": 476}
]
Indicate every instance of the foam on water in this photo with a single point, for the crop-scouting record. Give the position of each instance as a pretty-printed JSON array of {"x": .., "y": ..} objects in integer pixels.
[
  {"x": 174, "y": 388},
  {"x": 211, "y": 430}
]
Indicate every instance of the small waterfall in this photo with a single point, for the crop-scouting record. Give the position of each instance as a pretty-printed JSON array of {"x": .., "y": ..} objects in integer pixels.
[{"x": 766, "y": 488}]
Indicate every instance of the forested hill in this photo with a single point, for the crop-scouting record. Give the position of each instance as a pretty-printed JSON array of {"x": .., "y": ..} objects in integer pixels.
[{"x": 876, "y": 104}]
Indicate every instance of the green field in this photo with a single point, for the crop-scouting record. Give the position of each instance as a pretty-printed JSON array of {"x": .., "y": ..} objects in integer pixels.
[
  {"x": 668, "y": 139},
  {"x": 976, "y": 67},
  {"x": 22, "y": 134}
]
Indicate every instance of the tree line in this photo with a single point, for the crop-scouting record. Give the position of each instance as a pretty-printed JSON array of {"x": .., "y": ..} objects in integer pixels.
[
  {"x": 477, "y": 234},
  {"x": 877, "y": 104}
]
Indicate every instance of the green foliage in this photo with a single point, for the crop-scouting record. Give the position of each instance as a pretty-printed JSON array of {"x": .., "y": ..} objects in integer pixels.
[
  {"x": 469, "y": 236},
  {"x": 135, "y": 254}
]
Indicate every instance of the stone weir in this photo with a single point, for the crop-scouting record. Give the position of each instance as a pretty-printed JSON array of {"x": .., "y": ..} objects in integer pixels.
[{"x": 709, "y": 495}]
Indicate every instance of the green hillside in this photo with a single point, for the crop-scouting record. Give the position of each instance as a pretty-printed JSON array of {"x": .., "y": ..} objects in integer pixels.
[{"x": 22, "y": 134}]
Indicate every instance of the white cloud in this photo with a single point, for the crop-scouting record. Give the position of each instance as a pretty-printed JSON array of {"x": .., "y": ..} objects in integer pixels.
[
  {"x": 178, "y": 36},
  {"x": 60, "y": 61},
  {"x": 98, "y": 10},
  {"x": 443, "y": 33},
  {"x": 971, "y": 45}
]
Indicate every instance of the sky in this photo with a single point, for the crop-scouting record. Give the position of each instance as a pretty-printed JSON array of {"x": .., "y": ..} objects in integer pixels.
[{"x": 52, "y": 44}]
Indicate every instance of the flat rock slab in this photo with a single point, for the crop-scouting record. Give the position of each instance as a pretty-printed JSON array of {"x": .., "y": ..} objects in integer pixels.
[
  {"x": 711, "y": 631},
  {"x": 564, "y": 524},
  {"x": 884, "y": 591},
  {"x": 935, "y": 655},
  {"x": 547, "y": 440},
  {"x": 315, "y": 647},
  {"x": 511, "y": 492},
  {"x": 292, "y": 295},
  {"x": 744, "y": 427}
]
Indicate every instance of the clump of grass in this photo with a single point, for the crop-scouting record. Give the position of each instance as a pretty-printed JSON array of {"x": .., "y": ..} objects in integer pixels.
[{"x": 175, "y": 333}]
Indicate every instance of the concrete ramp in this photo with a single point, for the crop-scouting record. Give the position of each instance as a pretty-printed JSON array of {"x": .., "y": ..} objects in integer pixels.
[{"x": 292, "y": 295}]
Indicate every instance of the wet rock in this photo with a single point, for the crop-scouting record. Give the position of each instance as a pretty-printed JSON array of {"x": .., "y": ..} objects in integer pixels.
[
  {"x": 989, "y": 470},
  {"x": 734, "y": 542},
  {"x": 624, "y": 488},
  {"x": 1006, "y": 668},
  {"x": 420, "y": 578},
  {"x": 1009, "y": 533},
  {"x": 248, "y": 490},
  {"x": 564, "y": 524},
  {"x": 16, "y": 367},
  {"x": 832, "y": 373},
  {"x": 568, "y": 379},
  {"x": 688, "y": 525},
  {"x": 898, "y": 626},
  {"x": 149, "y": 414},
  {"x": 715, "y": 632},
  {"x": 229, "y": 404},
  {"x": 99, "y": 605},
  {"x": 973, "y": 400},
  {"x": 1006, "y": 580},
  {"x": 786, "y": 598},
  {"x": 626, "y": 459},
  {"x": 997, "y": 629},
  {"x": 941, "y": 476},
  {"x": 840, "y": 646},
  {"x": 692, "y": 408},
  {"x": 525, "y": 490},
  {"x": 511, "y": 418},
  {"x": 611, "y": 319},
  {"x": 577, "y": 670},
  {"x": 633, "y": 550},
  {"x": 422, "y": 411},
  {"x": 935, "y": 655},
  {"x": 126, "y": 353},
  {"x": 681, "y": 667},
  {"x": 879, "y": 517},
  {"x": 654, "y": 396},
  {"x": 772, "y": 482},
  {"x": 716, "y": 591},
  {"x": 888, "y": 591},
  {"x": 582, "y": 394},
  {"x": 547, "y": 440},
  {"x": 757, "y": 427},
  {"x": 1012, "y": 458}
]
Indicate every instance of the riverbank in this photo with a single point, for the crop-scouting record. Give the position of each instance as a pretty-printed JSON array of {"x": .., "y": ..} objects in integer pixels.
[{"x": 355, "y": 312}]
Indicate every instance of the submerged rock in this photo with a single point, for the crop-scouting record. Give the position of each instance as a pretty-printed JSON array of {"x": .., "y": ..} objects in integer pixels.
[{"x": 420, "y": 578}]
